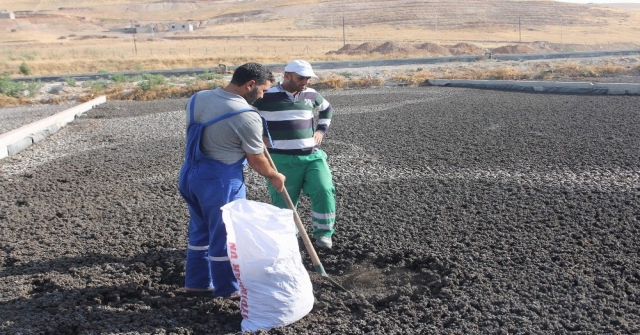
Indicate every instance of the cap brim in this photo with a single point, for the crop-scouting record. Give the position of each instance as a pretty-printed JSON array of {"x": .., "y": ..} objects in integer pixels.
[{"x": 307, "y": 74}]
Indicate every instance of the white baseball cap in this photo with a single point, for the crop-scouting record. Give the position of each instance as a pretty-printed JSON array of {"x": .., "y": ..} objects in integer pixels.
[{"x": 301, "y": 67}]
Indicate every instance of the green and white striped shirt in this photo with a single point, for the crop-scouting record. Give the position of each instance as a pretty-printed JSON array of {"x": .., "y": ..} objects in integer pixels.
[{"x": 290, "y": 119}]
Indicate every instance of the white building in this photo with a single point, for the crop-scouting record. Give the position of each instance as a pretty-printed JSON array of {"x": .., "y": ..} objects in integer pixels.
[
  {"x": 7, "y": 15},
  {"x": 184, "y": 26}
]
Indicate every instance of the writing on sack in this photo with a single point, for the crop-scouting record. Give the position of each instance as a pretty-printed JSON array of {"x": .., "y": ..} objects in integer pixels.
[{"x": 244, "y": 305}]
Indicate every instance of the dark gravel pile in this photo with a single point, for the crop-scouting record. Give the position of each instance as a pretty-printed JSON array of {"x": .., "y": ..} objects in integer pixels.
[{"x": 460, "y": 212}]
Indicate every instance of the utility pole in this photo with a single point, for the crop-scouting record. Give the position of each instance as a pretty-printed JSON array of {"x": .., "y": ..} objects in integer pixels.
[
  {"x": 561, "y": 30},
  {"x": 344, "y": 36},
  {"x": 436, "y": 27},
  {"x": 520, "y": 28},
  {"x": 134, "y": 37}
]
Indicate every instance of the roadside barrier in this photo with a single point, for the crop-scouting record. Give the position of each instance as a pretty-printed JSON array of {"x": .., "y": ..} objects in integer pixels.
[{"x": 543, "y": 86}]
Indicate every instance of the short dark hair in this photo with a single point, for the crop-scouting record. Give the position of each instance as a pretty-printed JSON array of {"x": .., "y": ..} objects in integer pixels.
[{"x": 252, "y": 71}]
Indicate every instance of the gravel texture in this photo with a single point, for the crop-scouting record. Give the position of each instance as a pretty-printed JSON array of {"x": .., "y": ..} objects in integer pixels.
[
  {"x": 460, "y": 211},
  {"x": 16, "y": 117}
]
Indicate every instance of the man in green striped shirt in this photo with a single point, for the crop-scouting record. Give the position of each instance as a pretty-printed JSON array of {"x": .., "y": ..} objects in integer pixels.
[{"x": 288, "y": 109}]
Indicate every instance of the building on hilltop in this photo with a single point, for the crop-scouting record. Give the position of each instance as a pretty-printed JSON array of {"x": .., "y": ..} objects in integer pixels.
[
  {"x": 7, "y": 15},
  {"x": 184, "y": 26},
  {"x": 136, "y": 29}
]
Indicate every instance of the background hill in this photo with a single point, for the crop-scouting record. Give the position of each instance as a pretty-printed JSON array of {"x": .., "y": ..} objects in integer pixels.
[{"x": 55, "y": 37}]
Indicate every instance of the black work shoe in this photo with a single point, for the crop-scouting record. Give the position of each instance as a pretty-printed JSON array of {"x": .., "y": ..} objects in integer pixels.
[{"x": 199, "y": 292}]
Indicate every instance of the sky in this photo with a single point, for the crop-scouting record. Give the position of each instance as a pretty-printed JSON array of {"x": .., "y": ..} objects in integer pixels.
[{"x": 601, "y": 1}]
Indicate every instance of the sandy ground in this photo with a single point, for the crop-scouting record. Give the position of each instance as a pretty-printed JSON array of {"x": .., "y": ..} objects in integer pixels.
[{"x": 460, "y": 211}]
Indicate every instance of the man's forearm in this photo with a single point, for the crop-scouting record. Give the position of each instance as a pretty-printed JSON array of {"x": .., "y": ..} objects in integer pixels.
[{"x": 261, "y": 165}]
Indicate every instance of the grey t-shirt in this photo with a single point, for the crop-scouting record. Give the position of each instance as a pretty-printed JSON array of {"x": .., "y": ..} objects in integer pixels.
[{"x": 227, "y": 140}]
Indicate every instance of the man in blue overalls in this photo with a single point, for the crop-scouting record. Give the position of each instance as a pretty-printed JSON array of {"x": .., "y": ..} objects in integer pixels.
[{"x": 223, "y": 132}]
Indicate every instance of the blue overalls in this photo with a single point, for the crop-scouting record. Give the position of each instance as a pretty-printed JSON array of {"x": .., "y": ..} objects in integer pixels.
[{"x": 206, "y": 185}]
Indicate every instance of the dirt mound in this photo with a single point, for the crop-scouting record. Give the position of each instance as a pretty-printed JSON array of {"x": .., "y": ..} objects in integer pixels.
[
  {"x": 352, "y": 49},
  {"x": 366, "y": 47},
  {"x": 433, "y": 48},
  {"x": 346, "y": 48},
  {"x": 513, "y": 49},
  {"x": 466, "y": 49},
  {"x": 391, "y": 47}
]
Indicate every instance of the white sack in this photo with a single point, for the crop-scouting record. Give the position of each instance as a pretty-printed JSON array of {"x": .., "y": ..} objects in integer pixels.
[{"x": 275, "y": 287}]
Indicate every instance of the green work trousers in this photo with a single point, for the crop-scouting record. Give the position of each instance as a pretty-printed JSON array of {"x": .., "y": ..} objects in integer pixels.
[{"x": 311, "y": 175}]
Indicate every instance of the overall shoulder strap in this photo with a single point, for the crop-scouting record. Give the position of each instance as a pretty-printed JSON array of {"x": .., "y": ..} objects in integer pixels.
[
  {"x": 192, "y": 103},
  {"x": 248, "y": 109}
]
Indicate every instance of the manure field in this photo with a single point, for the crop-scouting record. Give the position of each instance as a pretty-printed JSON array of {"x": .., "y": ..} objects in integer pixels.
[{"x": 460, "y": 211}]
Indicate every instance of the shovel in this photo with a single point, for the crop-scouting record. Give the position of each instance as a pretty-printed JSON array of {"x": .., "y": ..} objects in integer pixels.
[{"x": 305, "y": 238}]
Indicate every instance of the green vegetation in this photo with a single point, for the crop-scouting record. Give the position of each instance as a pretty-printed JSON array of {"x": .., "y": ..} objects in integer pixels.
[
  {"x": 119, "y": 78},
  {"x": 25, "y": 69},
  {"x": 347, "y": 74},
  {"x": 150, "y": 81},
  {"x": 18, "y": 89},
  {"x": 70, "y": 81},
  {"x": 97, "y": 85},
  {"x": 209, "y": 75}
]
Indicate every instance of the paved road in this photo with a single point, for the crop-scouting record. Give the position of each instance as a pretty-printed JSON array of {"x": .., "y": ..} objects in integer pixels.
[{"x": 350, "y": 64}]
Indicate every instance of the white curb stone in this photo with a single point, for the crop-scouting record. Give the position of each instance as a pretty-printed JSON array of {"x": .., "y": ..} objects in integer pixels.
[{"x": 19, "y": 139}]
